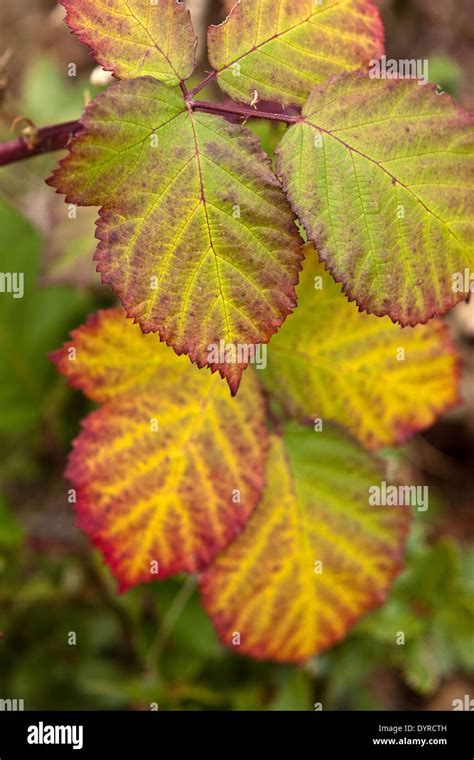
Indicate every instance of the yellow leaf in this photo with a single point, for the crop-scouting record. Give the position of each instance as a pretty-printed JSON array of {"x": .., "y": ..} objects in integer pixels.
[
  {"x": 281, "y": 50},
  {"x": 135, "y": 38},
  {"x": 381, "y": 381},
  {"x": 313, "y": 557}
]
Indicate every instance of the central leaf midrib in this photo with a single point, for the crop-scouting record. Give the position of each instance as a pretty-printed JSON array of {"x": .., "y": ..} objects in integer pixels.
[{"x": 206, "y": 215}]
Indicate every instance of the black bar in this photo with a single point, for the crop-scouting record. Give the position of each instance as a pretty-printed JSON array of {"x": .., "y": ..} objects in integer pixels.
[{"x": 217, "y": 734}]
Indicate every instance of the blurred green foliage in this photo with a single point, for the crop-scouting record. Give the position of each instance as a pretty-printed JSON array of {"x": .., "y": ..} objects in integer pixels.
[
  {"x": 48, "y": 96},
  {"x": 446, "y": 73},
  {"x": 30, "y": 327},
  {"x": 156, "y": 645}
]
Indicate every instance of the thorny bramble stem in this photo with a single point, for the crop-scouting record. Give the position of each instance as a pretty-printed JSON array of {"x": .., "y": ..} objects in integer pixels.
[
  {"x": 203, "y": 83},
  {"x": 57, "y": 136},
  {"x": 46, "y": 140},
  {"x": 247, "y": 112}
]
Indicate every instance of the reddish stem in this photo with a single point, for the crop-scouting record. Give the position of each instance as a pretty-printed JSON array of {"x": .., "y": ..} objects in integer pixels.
[
  {"x": 57, "y": 136},
  {"x": 212, "y": 75},
  {"x": 247, "y": 112},
  {"x": 46, "y": 140}
]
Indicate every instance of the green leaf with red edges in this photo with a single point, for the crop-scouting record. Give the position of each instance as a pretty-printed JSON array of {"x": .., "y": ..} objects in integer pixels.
[
  {"x": 381, "y": 381},
  {"x": 169, "y": 468},
  {"x": 135, "y": 38},
  {"x": 381, "y": 175},
  {"x": 314, "y": 556},
  {"x": 197, "y": 238},
  {"x": 282, "y": 49}
]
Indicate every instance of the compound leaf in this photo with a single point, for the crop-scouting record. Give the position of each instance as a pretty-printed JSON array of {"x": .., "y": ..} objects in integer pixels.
[
  {"x": 381, "y": 175},
  {"x": 283, "y": 49},
  {"x": 312, "y": 558},
  {"x": 331, "y": 362},
  {"x": 170, "y": 467},
  {"x": 197, "y": 238},
  {"x": 136, "y": 38}
]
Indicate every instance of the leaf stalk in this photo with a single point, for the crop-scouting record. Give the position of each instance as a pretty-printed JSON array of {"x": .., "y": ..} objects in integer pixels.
[{"x": 57, "y": 136}]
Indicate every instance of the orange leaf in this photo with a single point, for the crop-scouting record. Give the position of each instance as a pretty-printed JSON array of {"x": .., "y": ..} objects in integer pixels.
[{"x": 168, "y": 470}]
